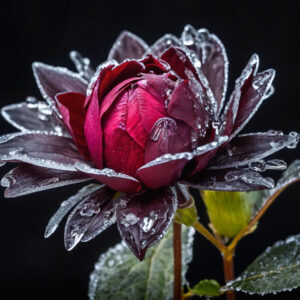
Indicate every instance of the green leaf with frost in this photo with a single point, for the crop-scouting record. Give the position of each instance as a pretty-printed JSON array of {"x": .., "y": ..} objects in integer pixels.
[
  {"x": 120, "y": 275},
  {"x": 207, "y": 288},
  {"x": 276, "y": 270}
]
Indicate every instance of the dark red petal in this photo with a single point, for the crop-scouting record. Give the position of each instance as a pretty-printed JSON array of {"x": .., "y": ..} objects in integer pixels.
[
  {"x": 93, "y": 131},
  {"x": 85, "y": 214},
  {"x": 213, "y": 57},
  {"x": 53, "y": 80},
  {"x": 117, "y": 181},
  {"x": 155, "y": 65},
  {"x": 144, "y": 218},
  {"x": 230, "y": 180},
  {"x": 159, "y": 86},
  {"x": 167, "y": 136},
  {"x": 71, "y": 107},
  {"x": 251, "y": 98},
  {"x": 166, "y": 169},
  {"x": 241, "y": 84},
  {"x": 151, "y": 109},
  {"x": 127, "y": 46},
  {"x": 27, "y": 179},
  {"x": 45, "y": 150},
  {"x": 251, "y": 147},
  {"x": 185, "y": 106},
  {"x": 164, "y": 43},
  {"x": 122, "y": 153},
  {"x": 180, "y": 63}
]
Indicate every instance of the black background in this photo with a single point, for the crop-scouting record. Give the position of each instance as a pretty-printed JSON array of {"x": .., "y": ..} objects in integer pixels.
[{"x": 34, "y": 268}]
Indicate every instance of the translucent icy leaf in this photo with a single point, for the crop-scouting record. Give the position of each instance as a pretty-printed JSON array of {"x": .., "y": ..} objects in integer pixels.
[
  {"x": 119, "y": 275},
  {"x": 144, "y": 218},
  {"x": 33, "y": 115},
  {"x": 127, "y": 46},
  {"x": 26, "y": 179},
  {"x": 42, "y": 149},
  {"x": 82, "y": 65},
  {"x": 276, "y": 270},
  {"x": 67, "y": 205},
  {"x": 92, "y": 209},
  {"x": 289, "y": 176},
  {"x": 206, "y": 287}
]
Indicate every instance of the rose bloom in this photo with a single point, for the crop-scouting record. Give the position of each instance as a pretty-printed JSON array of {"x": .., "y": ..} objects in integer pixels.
[{"x": 149, "y": 122}]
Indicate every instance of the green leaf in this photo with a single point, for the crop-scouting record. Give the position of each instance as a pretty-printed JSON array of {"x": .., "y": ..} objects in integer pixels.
[
  {"x": 206, "y": 287},
  {"x": 187, "y": 216},
  {"x": 289, "y": 176},
  {"x": 276, "y": 270},
  {"x": 120, "y": 275},
  {"x": 228, "y": 212}
]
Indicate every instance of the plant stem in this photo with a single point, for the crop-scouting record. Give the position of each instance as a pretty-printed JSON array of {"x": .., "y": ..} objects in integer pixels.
[
  {"x": 208, "y": 235},
  {"x": 177, "y": 261},
  {"x": 228, "y": 273}
]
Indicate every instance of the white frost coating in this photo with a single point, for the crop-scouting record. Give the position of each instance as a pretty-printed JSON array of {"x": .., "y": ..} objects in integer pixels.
[
  {"x": 186, "y": 155},
  {"x": 119, "y": 39},
  {"x": 38, "y": 108},
  {"x": 85, "y": 168},
  {"x": 60, "y": 70},
  {"x": 82, "y": 64},
  {"x": 19, "y": 153},
  {"x": 269, "y": 78},
  {"x": 94, "y": 78},
  {"x": 274, "y": 147},
  {"x": 66, "y": 206}
]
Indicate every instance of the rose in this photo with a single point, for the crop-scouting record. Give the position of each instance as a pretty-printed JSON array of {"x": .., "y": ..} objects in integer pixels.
[{"x": 147, "y": 119}]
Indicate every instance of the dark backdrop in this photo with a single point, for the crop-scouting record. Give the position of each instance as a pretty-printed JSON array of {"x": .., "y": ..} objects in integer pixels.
[{"x": 34, "y": 268}]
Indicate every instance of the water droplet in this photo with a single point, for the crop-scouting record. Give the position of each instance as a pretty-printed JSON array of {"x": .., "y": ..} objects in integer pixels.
[
  {"x": 111, "y": 263},
  {"x": 148, "y": 222},
  {"x": 259, "y": 165},
  {"x": 129, "y": 219},
  {"x": 163, "y": 124},
  {"x": 295, "y": 142},
  {"x": 231, "y": 177},
  {"x": 90, "y": 208},
  {"x": 274, "y": 132},
  {"x": 43, "y": 117},
  {"x": 276, "y": 164},
  {"x": 31, "y": 102},
  {"x": 188, "y": 36}
]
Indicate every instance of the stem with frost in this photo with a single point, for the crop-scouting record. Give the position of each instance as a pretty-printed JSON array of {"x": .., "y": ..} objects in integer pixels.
[{"x": 177, "y": 261}]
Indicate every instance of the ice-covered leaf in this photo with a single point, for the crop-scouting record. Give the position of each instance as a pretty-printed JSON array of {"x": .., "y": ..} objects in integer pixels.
[
  {"x": 95, "y": 210},
  {"x": 26, "y": 179},
  {"x": 43, "y": 149},
  {"x": 144, "y": 218},
  {"x": 53, "y": 80},
  {"x": 82, "y": 65},
  {"x": 290, "y": 176},
  {"x": 67, "y": 205},
  {"x": 206, "y": 287},
  {"x": 33, "y": 115},
  {"x": 119, "y": 275},
  {"x": 276, "y": 270},
  {"x": 127, "y": 46},
  {"x": 252, "y": 147}
]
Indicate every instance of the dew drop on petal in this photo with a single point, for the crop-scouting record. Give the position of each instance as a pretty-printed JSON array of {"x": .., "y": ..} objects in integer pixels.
[
  {"x": 259, "y": 165},
  {"x": 276, "y": 164}
]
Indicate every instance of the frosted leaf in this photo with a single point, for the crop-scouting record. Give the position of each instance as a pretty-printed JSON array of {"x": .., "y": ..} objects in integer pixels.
[
  {"x": 82, "y": 65},
  {"x": 291, "y": 175},
  {"x": 230, "y": 180},
  {"x": 53, "y": 80},
  {"x": 27, "y": 179},
  {"x": 118, "y": 273},
  {"x": 66, "y": 206},
  {"x": 43, "y": 149},
  {"x": 212, "y": 55},
  {"x": 117, "y": 181},
  {"x": 89, "y": 211},
  {"x": 144, "y": 218},
  {"x": 276, "y": 270},
  {"x": 127, "y": 46},
  {"x": 248, "y": 148},
  {"x": 28, "y": 116},
  {"x": 164, "y": 43}
]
